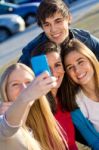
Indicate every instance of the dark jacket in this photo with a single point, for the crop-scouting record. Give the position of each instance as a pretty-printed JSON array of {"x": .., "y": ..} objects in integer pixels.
[{"x": 84, "y": 36}]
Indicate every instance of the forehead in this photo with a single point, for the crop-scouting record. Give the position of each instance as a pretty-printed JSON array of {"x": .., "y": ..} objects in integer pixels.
[
  {"x": 54, "y": 17},
  {"x": 74, "y": 56},
  {"x": 53, "y": 57},
  {"x": 20, "y": 74}
]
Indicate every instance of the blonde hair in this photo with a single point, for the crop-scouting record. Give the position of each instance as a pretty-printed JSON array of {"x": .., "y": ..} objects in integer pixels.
[
  {"x": 32, "y": 144},
  {"x": 5, "y": 77},
  {"x": 50, "y": 135},
  {"x": 40, "y": 119}
]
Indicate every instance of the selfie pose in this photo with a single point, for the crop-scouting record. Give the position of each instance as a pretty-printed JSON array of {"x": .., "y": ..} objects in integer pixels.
[{"x": 28, "y": 124}]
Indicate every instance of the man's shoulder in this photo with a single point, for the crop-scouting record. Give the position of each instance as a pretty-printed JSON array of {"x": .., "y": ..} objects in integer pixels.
[
  {"x": 82, "y": 35},
  {"x": 79, "y": 32},
  {"x": 25, "y": 57},
  {"x": 36, "y": 41}
]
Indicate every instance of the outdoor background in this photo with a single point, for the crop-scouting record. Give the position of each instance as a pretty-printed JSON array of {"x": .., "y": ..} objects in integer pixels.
[{"x": 90, "y": 22}]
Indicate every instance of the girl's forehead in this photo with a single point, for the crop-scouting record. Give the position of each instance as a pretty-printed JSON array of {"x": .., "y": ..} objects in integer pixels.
[
  {"x": 74, "y": 54},
  {"x": 20, "y": 74}
]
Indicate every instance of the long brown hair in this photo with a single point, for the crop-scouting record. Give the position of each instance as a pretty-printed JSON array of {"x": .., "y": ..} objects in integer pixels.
[
  {"x": 31, "y": 142},
  {"x": 72, "y": 88}
]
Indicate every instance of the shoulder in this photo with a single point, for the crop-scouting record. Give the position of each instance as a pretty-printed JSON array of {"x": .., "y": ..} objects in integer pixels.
[
  {"x": 26, "y": 52},
  {"x": 80, "y": 32},
  {"x": 31, "y": 45},
  {"x": 88, "y": 39}
]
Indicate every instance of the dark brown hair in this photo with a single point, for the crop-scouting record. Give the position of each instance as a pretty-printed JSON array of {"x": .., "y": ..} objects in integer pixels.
[
  {"x": 45, "y": 48},
  {"x": 48, "y": 8}
]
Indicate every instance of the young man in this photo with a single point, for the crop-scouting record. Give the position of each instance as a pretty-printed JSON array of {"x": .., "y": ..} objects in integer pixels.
[{"x": 54, "y": 18}]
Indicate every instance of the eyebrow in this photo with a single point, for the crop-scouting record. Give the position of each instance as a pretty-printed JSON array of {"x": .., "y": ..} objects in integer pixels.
[
  {"x": 76, "y": 60},
  {"x": 59, "y": 61},
  {"x": 44, "y": 22}
]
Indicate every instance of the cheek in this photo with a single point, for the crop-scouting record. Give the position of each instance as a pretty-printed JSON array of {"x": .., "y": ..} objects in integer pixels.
[
  {"x": 91, "y": 71},
  {"x": 13, "y": 94},
  {"x": 70, "y": 74},
  {"x": 46, "y": 30},
  {"x": 89, "y": 67},
  {"x": 65, "y": 25},
  {"x": 61, "y": 77}
]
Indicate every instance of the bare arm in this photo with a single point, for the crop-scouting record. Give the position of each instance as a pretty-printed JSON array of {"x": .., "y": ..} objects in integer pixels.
[
  {"x": 4, "y": 106},
  {"x": 40, "y": 86}
]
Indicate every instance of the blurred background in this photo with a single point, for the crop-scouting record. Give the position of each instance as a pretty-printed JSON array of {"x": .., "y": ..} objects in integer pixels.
[{"x": 18, "y": 24}]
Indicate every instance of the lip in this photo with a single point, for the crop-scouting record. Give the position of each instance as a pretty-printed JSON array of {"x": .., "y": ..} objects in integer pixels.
[
  {"x": 81, "y": 76},
  {"x": 57, "y": 35}
]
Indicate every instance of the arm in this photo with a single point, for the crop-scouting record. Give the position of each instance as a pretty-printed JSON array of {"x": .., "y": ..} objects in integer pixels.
[
  {"x": 86, "y": 129},
  {"x": 6, "y": 130},
  {"x": 41, "y": 85},
  {"x": 4, "y": 106}
]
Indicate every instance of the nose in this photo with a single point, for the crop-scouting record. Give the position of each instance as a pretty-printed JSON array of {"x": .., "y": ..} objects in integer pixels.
[
  {"x": 52, "y": 28},
  {"x": 76, "y": 69},
  {"x": 54, "y": 72}
]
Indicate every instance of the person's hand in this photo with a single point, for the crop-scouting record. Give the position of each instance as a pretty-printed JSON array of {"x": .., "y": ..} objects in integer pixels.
[
  {"x": 4, "y": 106},
  {"x": 40, "y": 86}
]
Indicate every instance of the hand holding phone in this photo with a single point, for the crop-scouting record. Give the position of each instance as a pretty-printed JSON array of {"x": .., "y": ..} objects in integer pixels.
[{"x": 40, "y": 64}]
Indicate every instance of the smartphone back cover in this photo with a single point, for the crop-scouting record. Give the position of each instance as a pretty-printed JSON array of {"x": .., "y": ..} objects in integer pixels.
[{"x": 40, "y": 64}]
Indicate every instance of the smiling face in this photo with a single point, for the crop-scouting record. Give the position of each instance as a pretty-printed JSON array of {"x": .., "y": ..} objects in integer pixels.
[
  {"x": 56, "y": 27},
  {"x": 17, "y": 81},
  {"x": 79, "y": 68},
  {"x": 56, "y": 68}
]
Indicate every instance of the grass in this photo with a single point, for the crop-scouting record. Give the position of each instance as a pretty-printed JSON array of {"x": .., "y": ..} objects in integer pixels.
[{"x": 82, "y": 147}]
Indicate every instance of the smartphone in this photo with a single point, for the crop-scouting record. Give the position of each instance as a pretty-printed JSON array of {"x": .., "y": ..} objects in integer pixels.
[{"x": 40, "y": 64}]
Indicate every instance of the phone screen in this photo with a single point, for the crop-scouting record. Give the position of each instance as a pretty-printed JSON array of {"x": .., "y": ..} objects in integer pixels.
[{"x": 40, "y": 64}]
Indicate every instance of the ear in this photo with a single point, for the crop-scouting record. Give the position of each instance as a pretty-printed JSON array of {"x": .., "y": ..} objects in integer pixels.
[{"x": 69, "y": 19}]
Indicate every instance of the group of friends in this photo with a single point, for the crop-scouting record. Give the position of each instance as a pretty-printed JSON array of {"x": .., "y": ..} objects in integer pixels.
[{"x": 52, "y": 112}]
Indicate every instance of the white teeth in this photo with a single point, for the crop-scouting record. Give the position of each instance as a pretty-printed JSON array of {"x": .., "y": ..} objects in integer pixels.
[
  {"x": 56, "y": 35},
  {"x": 81, "y": 76}
]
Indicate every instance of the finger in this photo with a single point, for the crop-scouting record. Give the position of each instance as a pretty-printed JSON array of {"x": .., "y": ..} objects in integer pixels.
[
  {"x": 43, "y": 75},
  {"x": 48, "y": 80}
]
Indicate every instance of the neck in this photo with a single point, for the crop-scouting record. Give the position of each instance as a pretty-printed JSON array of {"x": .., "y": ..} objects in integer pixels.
[
  {"x": 65, "y": 42},
  {"x": 54, "y": 93},
  {"x": 91, "y": 91},
  {"x": 90, "y": 86}
]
